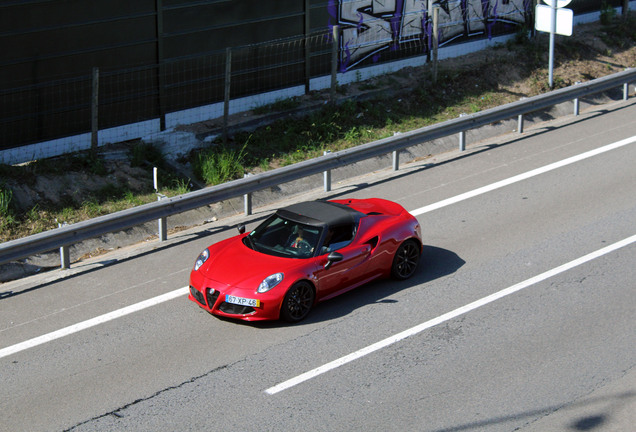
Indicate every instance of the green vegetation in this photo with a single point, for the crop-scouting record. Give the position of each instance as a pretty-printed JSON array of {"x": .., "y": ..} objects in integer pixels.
[
  {"x": 109, "y": 195},
  {"x": 219, "y": 165},
  {"x": 6, "y": 210}
]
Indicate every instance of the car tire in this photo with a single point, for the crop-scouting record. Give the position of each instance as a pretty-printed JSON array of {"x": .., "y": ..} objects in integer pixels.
[
  {"x": 405, "y": 260},
  {"x": 297, "y": 302}
]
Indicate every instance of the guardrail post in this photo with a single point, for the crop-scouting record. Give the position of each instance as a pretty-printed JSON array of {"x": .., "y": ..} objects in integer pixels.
[
  {"x": 626, "y": 87},
  {"x": 327, "y": 175},
  {"x": 247, "y": 200},
  {"x": 65, "y": 256},
  {"x": 396, "y": 160},
  {"x": 334, "y": 62},
  {"x": 462, "y": 138},
  {"x": 520, "y": 120},
  {"x": 162, "y": 223},
  {"x": 576, "y": 101}
]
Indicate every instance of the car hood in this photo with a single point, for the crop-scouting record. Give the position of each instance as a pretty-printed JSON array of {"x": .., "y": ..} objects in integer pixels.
[{"x": 232, "y": 263}]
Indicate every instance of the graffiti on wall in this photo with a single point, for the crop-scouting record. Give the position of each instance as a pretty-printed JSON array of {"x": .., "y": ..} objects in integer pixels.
[{"x": 368, "y": 28}]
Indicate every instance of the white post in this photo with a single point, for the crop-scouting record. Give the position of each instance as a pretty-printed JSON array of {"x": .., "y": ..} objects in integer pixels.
[{"x": 552, "y": 33}]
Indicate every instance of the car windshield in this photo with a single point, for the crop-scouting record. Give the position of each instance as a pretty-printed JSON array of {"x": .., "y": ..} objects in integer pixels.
[{"x": 283, "y": 237}]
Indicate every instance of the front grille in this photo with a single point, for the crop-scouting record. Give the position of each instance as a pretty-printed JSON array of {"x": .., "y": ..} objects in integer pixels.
[
  {"x": 198, "y": 295},
  {"x": 211, "y": 295},
  {"x": 230, "y": 308}
]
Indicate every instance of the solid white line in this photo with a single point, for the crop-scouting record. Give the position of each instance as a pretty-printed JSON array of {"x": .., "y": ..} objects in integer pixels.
[
  {"x": 92, "y": 322},
  {"x": 446, "y": 317},
  {"x": 182, "y": 291},
  {"x": 520, "y": 177}
]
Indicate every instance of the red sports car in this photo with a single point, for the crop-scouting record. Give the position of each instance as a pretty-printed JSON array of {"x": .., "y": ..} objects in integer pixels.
[{"x": 303, "y": 254}]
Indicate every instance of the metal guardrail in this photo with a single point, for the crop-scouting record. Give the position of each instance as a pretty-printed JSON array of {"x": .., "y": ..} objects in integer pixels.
[{"x": 75, "y": 233}]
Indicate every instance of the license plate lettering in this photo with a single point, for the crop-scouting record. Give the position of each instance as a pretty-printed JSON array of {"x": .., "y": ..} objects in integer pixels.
[{"x": 242, "y": 301}]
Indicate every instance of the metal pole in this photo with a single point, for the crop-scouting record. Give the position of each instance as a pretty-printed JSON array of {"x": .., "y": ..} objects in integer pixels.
[
  {"x": 435, "y": 41},
  {"x": 94, "y": 110},
  {"x": 65, "y": 256},
  {"x": 307, "y": 49},
  {"x": 247, "y": 200},
  {"x": 462, "y": 138},
  {"x": 161, "y": 67},
  {"x": 327, "y": 175},
  {"x": 396, "y": 160},
  {"x": 576, "y": 102},
  {"x": 334, "y": 62},
  {"x": 162, "y": 223},
  {"x": 552, "y": 33},
  {"x": 520, "y": 120},
  {"x": 226, "y": 103}
]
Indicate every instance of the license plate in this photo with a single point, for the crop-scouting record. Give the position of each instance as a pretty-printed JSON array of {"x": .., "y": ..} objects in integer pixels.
[{"x": 242, "y": 301}]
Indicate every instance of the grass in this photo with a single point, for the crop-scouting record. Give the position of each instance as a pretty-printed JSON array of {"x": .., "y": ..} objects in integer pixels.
[
  {"x": 334, "y": 127},
  {"x": 219, "y": 165}
]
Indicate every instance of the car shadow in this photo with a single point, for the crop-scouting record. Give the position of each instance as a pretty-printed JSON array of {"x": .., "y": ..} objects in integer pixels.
[{"x": 434, "y": 263}]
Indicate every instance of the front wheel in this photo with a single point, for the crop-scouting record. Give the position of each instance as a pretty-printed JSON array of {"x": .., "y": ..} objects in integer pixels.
[
  {"x": 297, "y": 302},
  {"x": 405, "y": 260}
]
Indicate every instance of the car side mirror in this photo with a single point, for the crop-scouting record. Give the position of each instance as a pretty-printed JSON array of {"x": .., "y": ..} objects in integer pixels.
[
  {"x": 332, "y": 258},
  {"x": 241, "y": 228}
]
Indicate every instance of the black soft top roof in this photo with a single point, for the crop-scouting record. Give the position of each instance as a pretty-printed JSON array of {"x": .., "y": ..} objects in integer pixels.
[{"x": 321, "y": 213}]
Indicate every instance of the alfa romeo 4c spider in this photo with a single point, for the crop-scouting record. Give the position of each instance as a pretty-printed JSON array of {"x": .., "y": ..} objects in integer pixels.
[{"x": 303, "y": 254}]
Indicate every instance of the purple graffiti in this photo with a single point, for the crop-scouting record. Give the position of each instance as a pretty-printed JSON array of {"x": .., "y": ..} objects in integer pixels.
[{"x": 368, "y": 27}]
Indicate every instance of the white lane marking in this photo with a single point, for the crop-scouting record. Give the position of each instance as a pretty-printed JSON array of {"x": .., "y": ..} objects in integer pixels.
[
  {"x": 92, "y": 322},
  {"x": 182, "y": 291},
  {"x": 446, "y": 317},
  {"x": 523, "y": 176}
]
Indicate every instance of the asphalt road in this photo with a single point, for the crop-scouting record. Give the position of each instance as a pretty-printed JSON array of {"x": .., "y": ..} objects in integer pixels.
[{"x": 493, "y": 333}]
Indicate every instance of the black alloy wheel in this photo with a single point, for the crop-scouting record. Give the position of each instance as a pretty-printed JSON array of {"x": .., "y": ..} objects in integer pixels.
[
  {"x": 297, "y": 302},
  {"x": 405, "y": 260}
]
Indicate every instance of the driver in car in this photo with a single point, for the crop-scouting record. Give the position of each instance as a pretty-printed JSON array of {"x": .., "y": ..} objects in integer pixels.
[{"x": 299, "y": 238}]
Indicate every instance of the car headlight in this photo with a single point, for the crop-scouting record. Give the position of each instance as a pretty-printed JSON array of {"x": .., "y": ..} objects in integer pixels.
[
  {"x": 270, "y": 282},
  {"x": 202, "y": 258}
]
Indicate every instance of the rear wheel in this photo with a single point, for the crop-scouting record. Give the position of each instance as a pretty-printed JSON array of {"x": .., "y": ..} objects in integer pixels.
[
  {"x": 405, "y": 260},
  {"x": 297, "y": 302}
]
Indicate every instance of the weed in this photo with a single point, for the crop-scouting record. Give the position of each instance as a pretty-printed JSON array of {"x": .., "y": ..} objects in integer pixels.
[
  {"x": 6, "y": 195},
  {"x": 181, "y": 186},
  {"x": 352, "y": 134},
  {"x": 217, "y": 166}
]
